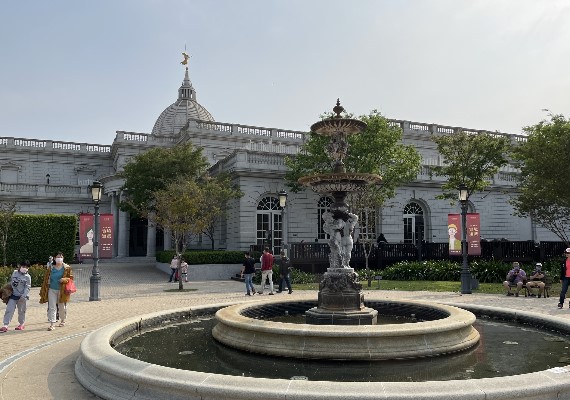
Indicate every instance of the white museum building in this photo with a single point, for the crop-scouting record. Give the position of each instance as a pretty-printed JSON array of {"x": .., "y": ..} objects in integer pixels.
[{"x": 46, "y": 176}]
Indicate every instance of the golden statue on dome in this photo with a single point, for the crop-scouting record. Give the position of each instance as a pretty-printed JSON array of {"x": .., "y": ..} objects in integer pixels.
[{"x": 186, "y": 57}]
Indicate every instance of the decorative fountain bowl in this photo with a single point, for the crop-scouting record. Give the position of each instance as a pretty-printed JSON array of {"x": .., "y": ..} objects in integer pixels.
[
  {"x": 340, "y": 181},
  {"x": 332, "y": 127},
  {"x": 450, "y": 331}
]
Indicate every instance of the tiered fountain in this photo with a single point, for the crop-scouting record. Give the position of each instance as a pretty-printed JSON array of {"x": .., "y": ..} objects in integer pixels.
[
  {"x": 340, "y": 300},
  {"x": 341, "y": 326}
]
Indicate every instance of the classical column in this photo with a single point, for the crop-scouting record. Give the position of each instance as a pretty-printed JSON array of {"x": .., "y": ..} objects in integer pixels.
[
  {"x": 167, "y": 240},
  {"x": 123, "y": 247},
  {"x": 114, "y": 211},
  {"x": 151, "y": 239}
]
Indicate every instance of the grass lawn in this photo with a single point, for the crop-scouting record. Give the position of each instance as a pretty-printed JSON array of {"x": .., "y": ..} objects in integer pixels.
[{"x": 432, "y": 286}]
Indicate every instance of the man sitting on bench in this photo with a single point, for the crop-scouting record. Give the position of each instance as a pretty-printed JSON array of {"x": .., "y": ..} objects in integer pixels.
[
  {"x": 536, "y": 280},
  {"x": 515, "y": 277}
]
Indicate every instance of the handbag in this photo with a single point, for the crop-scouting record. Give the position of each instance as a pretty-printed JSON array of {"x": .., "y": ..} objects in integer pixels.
[{"x": 70, "y": 287}]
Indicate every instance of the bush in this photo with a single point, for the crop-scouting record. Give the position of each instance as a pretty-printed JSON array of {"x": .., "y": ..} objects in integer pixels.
[
  {"x": 36, "y": 272},
  {"x": 203, "y": 257},
  {"x": 35, "y": 237},
  {"x": 300, "y": 277}
]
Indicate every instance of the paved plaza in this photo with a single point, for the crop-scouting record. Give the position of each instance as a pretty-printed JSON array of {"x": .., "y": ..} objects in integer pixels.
[{"x": 38, "y": 364}]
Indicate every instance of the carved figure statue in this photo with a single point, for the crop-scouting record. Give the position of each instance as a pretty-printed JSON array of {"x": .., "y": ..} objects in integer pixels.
[
  {"x": 340, "y": 241},
  {"x": 346, "y": 240},
  {"x": 334, "y": 229},
  {"x": 186, "y": 57}
]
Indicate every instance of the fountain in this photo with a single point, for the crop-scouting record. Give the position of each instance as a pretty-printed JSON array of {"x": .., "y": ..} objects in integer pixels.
[
  {"x": 340, "y": 300},
  {"x": 339, "y": 327}
]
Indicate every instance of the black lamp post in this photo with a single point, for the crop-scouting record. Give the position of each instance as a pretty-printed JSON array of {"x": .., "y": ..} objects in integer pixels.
[
  {"x": 465, "y": 273},
  {"x": 95, "y": 279},
  {"x": 282, "y": 203}
]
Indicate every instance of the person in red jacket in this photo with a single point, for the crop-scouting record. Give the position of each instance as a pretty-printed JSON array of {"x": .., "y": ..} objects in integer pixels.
[{"x": 266, "y": 270}]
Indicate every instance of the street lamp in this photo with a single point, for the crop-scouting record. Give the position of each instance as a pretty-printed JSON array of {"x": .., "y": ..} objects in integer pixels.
[
  {"x": 465, "y": 273},
  {"x": 95, "y": 279},
  {"x": 282, "y": 198},
  {"x": 284, "y": 231}
]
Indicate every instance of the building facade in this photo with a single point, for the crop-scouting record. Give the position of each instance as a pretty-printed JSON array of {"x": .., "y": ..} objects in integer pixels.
[{"x": 46, "y": 176}]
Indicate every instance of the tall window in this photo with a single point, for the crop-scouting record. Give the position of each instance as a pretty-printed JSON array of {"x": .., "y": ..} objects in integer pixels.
[
  {"x": 414, "y": 229},
  {"x": 366, "y": 225},
  {"x": 323, "y": 206},
  {"x": 269, "y": 224}
]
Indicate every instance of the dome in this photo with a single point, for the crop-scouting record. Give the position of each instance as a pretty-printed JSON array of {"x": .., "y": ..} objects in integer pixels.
[{"x": 175, "y": 116}]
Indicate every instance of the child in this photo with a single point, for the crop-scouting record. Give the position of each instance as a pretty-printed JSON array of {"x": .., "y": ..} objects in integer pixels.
[
  {"x": 21, "y": 284},
  {"x": 184, "y": 270}
]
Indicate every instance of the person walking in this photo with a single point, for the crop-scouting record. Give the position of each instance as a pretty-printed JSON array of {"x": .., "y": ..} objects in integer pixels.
[
  {"x": 247, "y": 272},
  {"x": 564, "y": 277},
  {"x": 174, "y": 269},
  {"x": 284, "y": 264},
  {"x": 183, "y": 270},
  {"x": 266, "y": 270},
  {"x": 53, "y": 290},
  {"x": 21, "y": 283}
]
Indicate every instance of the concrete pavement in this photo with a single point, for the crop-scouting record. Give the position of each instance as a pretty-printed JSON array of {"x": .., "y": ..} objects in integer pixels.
[{"x": 40, "y": 363}]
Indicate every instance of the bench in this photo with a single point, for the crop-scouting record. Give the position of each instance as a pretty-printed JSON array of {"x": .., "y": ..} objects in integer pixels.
[{"x": 547, "y": 286}]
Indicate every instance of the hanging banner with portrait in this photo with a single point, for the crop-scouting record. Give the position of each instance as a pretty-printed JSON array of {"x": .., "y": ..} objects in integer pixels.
[
  {"x": 86, "y": 235},
  {"x": 473, "y": 234}
]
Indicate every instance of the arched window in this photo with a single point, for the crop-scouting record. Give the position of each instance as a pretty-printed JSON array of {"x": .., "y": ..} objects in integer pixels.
[
  {"x": 323, "y": 206},
  {"x": 366, "y": 228},
  {"x": 269, "y": 220},
  {"x": 414, "y": 227}
]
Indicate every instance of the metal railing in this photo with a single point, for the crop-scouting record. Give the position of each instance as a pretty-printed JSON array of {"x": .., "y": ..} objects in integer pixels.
[{"x": 313, "y": 257}]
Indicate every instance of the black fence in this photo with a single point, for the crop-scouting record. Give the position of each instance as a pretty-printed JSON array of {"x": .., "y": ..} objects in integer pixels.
[{"x": 313, "y": 257}]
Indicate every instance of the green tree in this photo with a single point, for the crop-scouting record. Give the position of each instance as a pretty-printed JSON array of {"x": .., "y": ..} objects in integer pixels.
[
  {"x": 7, "y": 212},
  {"x": 376, "y": 150},
  {"x": 155, "y": 169},
  {"x": 216, "y": 193},
  {"x": 470, "y": 159},
  {"x": 543, "y": 189},
  {"x": 177, "y": 208}
]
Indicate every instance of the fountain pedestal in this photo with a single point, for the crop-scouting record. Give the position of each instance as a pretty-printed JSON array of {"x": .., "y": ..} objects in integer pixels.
[{"x": 341, "y": 301}]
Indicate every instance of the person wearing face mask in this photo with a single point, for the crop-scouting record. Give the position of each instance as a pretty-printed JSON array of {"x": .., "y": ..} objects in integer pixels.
[
  {"x": 536, "y": 280},
  {"x": 53, "y": 290},
  {"x": 21, "y": 284}
]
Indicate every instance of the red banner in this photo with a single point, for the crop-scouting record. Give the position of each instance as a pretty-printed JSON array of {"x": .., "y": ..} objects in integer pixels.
[
  {"x": 86, "y": 235},
  {"x": 473, "y": 234}
]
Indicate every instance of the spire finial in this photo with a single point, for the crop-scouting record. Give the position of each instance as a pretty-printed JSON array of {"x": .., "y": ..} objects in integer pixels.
[{"x": 338, "y": 109}]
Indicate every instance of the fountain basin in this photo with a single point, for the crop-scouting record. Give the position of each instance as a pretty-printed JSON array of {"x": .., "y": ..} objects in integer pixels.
[
  {"x": 450, "y": 333},
  {"x": 111, "y": 375}
]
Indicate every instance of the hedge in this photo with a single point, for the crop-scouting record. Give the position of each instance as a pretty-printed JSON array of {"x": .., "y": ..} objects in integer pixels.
[
  {"x": 35, "y": 237},
  {"x": 484, "y": 271},
  {"x": 36, "y": 272},
  {"x": 194, "y": 257}
]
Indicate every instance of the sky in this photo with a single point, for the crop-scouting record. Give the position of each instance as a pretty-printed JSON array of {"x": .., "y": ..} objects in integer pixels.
[{"x": 79, "y": 70}]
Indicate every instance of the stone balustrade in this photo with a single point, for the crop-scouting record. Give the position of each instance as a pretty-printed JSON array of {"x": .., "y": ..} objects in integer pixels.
[
  {"x": 232, "y": 129},
  {"x": 52, "y": 145},
  {"x": 44, "y": 190}
]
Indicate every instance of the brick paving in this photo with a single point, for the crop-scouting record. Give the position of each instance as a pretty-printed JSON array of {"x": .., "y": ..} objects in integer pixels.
[{"x": 135, "y": 288}]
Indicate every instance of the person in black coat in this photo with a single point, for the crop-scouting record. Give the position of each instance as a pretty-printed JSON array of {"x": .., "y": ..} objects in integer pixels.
[{"x": 284, "y": 265}]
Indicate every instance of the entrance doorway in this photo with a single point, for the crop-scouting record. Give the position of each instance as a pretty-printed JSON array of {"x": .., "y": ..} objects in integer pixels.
[
  {"x": 269, "y": 224},
  {"x": 137, "y": 237}
]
